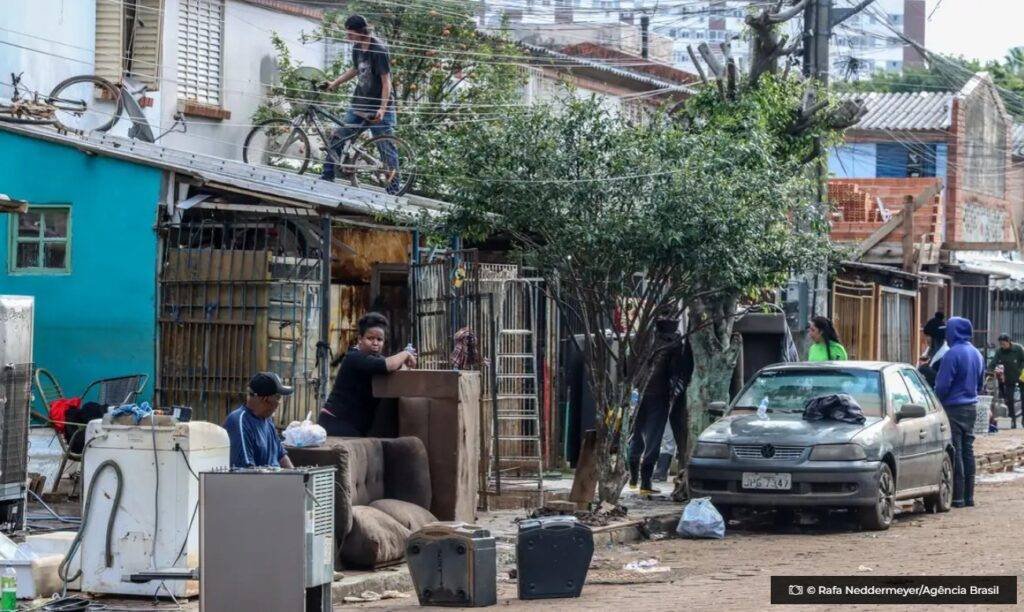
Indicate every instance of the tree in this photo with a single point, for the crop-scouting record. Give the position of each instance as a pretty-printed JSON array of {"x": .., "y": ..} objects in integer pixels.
[
  {"x": 632, "y": 221},
  {"x": 798, "y": 120}
]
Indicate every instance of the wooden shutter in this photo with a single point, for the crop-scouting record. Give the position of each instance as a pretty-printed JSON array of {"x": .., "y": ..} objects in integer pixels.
[
  {"x": 200, "y": 39},
  {"x": 146, "y": 42},
  {"x": 109, "y": 39}
]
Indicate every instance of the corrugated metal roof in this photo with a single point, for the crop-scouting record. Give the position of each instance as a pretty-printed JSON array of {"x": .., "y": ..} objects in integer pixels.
[
  {"x": 235, "y": 175},
  {"x": 1018, "y": 139},
  {"x": 923, "y": 110},
  {"x": 563, "y": 60},
  {"x": 1005, "y": 270}
]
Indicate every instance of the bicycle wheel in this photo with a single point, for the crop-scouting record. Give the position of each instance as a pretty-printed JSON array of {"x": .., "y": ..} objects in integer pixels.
[
  {"x": 276, "y": 143},
  {"x": 368, "y": 164},
  {"x": 87, "y": 103}
]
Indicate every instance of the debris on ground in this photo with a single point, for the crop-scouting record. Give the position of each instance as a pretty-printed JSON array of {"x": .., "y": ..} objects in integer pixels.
[
  {"x": 646, "y": 566},
  {"x": 604, "y": 514},
  {"x": 368, "y": 596},
  {"x": 864, "y": 568}
]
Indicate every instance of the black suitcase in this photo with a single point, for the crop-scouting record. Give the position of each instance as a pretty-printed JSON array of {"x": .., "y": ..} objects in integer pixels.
[
  {"x": 453, "y": 564},
  {"x": 553, "y": 555}
]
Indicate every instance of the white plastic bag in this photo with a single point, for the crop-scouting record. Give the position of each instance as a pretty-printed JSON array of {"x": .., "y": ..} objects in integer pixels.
[
  {"x": 701, "y": 520},
  {"x": 306, "y": 433}
]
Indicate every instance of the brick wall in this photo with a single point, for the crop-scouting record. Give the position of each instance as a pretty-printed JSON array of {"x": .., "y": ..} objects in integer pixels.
[
  {"x": 958, "y": 197},
  {"x": 857, "y": 215}
]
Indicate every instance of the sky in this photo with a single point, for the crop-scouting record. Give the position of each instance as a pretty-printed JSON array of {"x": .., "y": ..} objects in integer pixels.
[{"x": 976, "y": 29}]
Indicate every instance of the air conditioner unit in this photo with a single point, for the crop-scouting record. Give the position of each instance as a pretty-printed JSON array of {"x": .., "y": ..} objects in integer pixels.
[
  {"x": 16, "y": 329},
  {"x": 266, "y": 539}
]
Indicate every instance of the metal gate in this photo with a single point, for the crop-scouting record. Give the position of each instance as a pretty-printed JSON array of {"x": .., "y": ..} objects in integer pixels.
[
  {"x": 853, "y": 313},
  {"x": 503, "y": 309},
  {"x": 239, "y": 294}
]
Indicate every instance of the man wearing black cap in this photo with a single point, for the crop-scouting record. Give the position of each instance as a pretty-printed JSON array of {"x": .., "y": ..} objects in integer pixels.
[
  {"x": 254, "y": 440},
  {"x": 373, "y": 101}
]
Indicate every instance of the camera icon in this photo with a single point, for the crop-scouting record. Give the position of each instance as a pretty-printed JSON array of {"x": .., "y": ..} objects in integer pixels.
[{"x": 796, "y": 589}]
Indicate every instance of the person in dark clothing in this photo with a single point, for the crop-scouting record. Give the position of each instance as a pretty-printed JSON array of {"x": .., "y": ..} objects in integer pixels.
[
  {"x": 351, "y": 407},
  {"x": 936, "y": 332},
  {"x": 373, "y": 101},
  {"x": 654, "y": 410},
  {"x": 959, "y": 382},
  {"x": 929, "y": 367},
  {"x": 251, "y": 432},
  {"x": 1010, "y": 355}
]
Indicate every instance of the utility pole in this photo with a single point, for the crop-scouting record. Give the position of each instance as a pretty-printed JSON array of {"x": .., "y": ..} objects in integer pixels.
[{"x": 645, "y": 42}]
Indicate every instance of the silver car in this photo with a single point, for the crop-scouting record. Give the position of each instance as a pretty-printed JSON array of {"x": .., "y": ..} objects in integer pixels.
[{"x": 902, "y": 450}]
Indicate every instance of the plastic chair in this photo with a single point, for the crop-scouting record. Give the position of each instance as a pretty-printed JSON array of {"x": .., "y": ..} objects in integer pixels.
[
  {"x": 117, "y": 390},
  {"x": 48, "y": 390}
]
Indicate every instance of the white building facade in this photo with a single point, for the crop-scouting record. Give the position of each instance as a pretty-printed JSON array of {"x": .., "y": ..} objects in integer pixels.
[{"x": 208, "y": 62}]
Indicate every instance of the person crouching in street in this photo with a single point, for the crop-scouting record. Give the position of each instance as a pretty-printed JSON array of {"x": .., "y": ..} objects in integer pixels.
[
  {"x": 959, "y": 382},
  {"x": 250, "y": 427}
]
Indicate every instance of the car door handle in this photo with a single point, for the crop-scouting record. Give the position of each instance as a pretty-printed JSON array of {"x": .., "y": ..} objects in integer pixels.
[
  {"x": 921, "y": 434},
  {"x": 942, "y": 427}
]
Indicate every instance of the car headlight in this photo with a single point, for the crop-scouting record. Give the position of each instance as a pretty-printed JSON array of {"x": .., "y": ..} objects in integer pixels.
[
  {"x": 711, "y": 450},
  {"x": 838, "y": 452}
]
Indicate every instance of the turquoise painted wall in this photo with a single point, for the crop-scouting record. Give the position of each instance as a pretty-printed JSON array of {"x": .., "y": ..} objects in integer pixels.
[{"x": 98, "y": 320}]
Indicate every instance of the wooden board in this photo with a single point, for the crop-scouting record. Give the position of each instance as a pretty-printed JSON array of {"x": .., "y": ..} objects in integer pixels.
[{"x": 584, "y": 483}]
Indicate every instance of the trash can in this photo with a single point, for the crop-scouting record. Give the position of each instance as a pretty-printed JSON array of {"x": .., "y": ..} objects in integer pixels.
[
  {"x": 553, "y": 555},
  {"x": 453, "y": 564}
]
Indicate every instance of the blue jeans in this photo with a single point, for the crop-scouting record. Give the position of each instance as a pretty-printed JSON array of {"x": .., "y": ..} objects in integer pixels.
[
  {"x": 961, "y": 425},
  {"x": 353, "y": 127}
]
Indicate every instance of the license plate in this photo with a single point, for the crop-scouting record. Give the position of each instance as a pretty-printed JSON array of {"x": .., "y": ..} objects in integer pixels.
[{"x": 767, "y": 480}]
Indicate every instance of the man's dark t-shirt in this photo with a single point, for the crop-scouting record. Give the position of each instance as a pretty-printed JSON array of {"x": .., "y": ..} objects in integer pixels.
[
  {"x": 371, "y": 64},
  {"x": 351, "y": 400}
]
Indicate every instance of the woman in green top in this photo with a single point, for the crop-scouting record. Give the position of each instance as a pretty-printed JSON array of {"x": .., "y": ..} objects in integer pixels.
[{"x": 826, "y": 345}]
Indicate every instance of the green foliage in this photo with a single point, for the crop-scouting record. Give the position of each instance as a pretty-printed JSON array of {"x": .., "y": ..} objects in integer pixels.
[{"x": 950, "y": 73}]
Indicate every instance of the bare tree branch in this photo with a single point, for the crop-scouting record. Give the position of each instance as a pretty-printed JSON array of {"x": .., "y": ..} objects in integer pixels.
[
  {"x": 786, "y": 15},
  {"x": 700, "y": 69},
  {"x": 713, "y": 64}
]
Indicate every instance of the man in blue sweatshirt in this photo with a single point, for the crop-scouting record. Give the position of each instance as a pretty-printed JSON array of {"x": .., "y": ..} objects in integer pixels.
[{"x": 958, "y": 383}]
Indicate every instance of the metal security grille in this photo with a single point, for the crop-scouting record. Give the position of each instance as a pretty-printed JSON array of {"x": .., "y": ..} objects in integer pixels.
[
  {"x": 323, "y": 502},
  {"x": 239, "y": 294},
  {"x": 15, "y": 398},
  {"x": 853, "y": 312},
  {"x": 780, "y": 453},
  {"x": 200, "y": 41}
]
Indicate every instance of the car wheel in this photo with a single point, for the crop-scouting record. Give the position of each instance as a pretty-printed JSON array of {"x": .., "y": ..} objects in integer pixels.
[
  {"x": 879, "y": 516},
  {"x": 943, "y": 500}
]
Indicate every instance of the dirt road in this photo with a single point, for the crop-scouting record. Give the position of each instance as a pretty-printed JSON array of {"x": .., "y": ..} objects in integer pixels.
[{"x": 734, "y": 573}]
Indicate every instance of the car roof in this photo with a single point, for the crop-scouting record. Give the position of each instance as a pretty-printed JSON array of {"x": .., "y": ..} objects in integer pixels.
[{"x": 872, "y": 366}]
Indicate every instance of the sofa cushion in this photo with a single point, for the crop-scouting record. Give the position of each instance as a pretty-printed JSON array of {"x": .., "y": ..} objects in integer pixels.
[
  {"x": 365, "y": 469},
  {"x": 407, "y": 471},
  {"x": 410, "y": 515},
  {"x": 375, "y": 538}
]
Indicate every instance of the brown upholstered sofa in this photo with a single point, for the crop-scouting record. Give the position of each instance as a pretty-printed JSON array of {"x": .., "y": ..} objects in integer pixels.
[{"x": 383, "y": 494}]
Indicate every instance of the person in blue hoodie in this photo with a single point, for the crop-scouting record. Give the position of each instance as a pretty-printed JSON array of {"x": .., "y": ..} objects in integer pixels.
[{"x": 958, "y": 384}]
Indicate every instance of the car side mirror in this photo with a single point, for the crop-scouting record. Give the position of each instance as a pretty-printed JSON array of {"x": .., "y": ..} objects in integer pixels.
[
  {"x": 717, "y": 409},
  {"x": 911, "y": 411}
]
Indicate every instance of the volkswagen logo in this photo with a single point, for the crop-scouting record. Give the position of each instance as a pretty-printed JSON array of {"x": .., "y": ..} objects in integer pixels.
[{"x": 767, "y": 451}]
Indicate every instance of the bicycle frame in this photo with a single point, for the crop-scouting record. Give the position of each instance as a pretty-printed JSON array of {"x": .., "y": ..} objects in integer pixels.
[{"x": 312, "y": 115}]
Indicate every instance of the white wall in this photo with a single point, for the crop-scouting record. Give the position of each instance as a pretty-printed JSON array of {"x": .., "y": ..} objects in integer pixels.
[
  {"x": 60, "y": 37},
  {"x": 247, "y": 44},
  {"x": 49, "y": 28}
]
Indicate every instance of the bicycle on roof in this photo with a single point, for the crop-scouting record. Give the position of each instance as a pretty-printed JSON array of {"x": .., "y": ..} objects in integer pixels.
[{"x": 384, "y": 161}]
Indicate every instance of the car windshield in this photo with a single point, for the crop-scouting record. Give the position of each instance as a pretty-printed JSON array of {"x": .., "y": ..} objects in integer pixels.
[{"x": 789, "y": 390}]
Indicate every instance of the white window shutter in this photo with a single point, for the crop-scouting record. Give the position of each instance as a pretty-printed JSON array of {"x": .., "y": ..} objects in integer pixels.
[
  {"x": 109, "y": 39},
  {"x": 146, "y": 43},
  {"x": 200, "y": 38}
]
